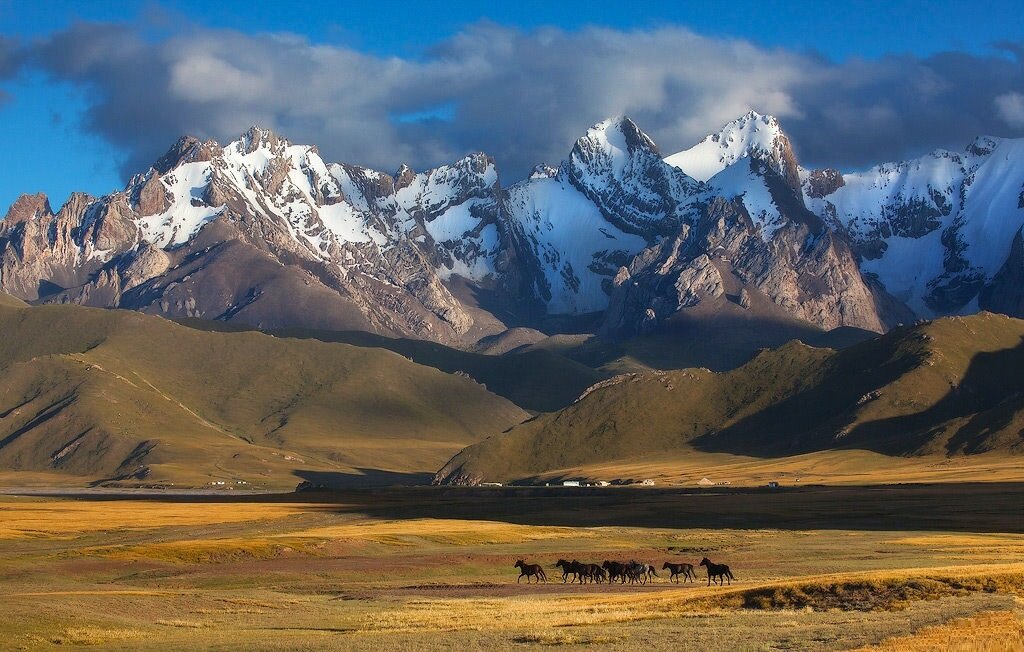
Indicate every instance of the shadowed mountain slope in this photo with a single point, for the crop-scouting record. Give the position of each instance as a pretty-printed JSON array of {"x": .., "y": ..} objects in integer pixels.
[{"x": 952, "y": 386}]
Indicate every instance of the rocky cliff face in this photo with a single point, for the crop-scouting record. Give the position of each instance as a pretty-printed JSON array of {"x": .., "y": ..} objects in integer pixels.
[{"x": 798, "y": 265}]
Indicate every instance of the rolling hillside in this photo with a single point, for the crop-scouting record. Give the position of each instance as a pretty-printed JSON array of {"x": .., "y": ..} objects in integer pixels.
[
  {"x": 536, "y": 380},
  {"x": 91, "y": 395},
  {"x": 948, "y": 387}
]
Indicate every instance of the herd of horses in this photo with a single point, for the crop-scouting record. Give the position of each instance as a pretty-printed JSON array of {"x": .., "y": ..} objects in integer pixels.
[{"x": 631, "y": 572}]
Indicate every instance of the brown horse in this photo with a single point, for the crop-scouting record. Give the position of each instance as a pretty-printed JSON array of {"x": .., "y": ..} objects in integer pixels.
[
  {"x": 593, "y": 572},
  {"x": 569, "y": 568},
  {"x": 529, "y": 570},
  {"x": 684, "y": 569},
  {"x": 720, "y": 571}
]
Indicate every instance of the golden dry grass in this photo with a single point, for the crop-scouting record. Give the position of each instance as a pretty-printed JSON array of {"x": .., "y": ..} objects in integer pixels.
[
  {"x": 173, "y": 575},
  {"x": 988, "y": 632},
  {"x": 40, "y": 517}
]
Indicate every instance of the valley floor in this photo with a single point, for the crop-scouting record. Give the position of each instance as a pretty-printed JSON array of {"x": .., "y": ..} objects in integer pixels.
[{"x": 913, "y": 567}]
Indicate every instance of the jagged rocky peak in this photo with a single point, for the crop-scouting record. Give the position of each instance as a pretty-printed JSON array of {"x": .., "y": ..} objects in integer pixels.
[
  {"x": 619, "y": 168},
  {"x": 188, "y": 149},
  {"x": 752, "y": 135},
  {"x": 543, "y": 171},
  {"x": 811, "y": 275},
  {"x": 823, "y": 182},
  {"x": 404, "y": 176},
  {"x": 613, "y": 138},
  {"x": 256, "y": 137},
  {"x": 28, "y": 207}
]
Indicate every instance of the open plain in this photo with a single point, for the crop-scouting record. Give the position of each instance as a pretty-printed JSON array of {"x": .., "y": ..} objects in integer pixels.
[{"x": 885, "y": 567}]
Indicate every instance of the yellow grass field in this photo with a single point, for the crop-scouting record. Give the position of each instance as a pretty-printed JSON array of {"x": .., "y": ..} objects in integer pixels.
[{"x": 331, "y": 573}]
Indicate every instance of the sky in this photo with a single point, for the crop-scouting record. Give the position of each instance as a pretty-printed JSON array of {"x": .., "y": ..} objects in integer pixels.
[{"x": 92, "y": 92}]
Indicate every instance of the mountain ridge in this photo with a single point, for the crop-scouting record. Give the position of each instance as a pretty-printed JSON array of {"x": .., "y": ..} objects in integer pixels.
[{"x": 265, "y": 232}]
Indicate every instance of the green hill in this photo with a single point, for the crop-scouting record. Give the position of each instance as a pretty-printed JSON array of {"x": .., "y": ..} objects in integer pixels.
[
  {"x": 949, "y": 387},
  {"x": 94, "y": 395},
  {"x": 540, "y": 381}
]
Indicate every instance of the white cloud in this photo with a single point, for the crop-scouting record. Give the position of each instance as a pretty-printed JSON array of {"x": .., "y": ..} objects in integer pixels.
[
  {"x": 1010, "y": 108},
  {"x": 522, "y": 96}
]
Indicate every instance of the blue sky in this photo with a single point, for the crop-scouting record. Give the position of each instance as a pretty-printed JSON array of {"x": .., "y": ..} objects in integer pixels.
[{"x": 60, "y": 136}]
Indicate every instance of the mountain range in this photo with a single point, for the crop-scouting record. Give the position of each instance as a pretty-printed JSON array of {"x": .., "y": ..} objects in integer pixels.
[{"x": 618, "y": 238}]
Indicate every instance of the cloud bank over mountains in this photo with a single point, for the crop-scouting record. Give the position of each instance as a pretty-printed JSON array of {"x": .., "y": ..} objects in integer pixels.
[{"x": 523, "y": 97}]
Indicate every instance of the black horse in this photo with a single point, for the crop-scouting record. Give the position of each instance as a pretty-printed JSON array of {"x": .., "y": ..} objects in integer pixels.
[
  {"x": 569, "y": 568},
  {"x": 616, "y": 571},
  {"x": 529, "y": 570},
  {"x": 720, "y": 571},
  {"x": 684, "y": 569},
  {"x": 593, "y": 572}
]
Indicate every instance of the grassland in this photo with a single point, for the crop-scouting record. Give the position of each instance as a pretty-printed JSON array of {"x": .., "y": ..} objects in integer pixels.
[
  {"x": 410, "y": 571},
  {"x": 90, "y": 395}
]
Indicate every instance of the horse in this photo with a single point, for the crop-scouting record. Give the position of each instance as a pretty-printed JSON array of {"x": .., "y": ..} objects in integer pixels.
[
  {"x": 684, "y": 569},
  {"x": 642, "y": 572},
  {"x": 568, "y": 568},
  {"x": 721, "y": 571},
  {"x": 530, "y": 570},
  {"x": 616, "y": 571},
  {"x": 593, "y": 572}
]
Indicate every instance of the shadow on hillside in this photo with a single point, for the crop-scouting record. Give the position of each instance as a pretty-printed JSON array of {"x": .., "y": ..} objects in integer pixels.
[
  {"x": 988, "y": 397},
  {"x": 719, "y": 342},
  {"x": 541, "y": 381}
]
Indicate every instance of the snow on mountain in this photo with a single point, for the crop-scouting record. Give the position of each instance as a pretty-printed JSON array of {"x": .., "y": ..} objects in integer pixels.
[
  {"x": 619, "y": 168},
  {"x": 935, "y": 229},
  {"x": 741, "y": 180},
  {"x": 750, "y": 136},
  {"x": 381, "y": 249},
  {"x": 186, "y": 214},
  {"x": 577, "y": 250}
]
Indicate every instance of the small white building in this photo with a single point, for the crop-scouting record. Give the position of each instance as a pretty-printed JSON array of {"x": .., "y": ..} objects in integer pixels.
[
  {"x": 570, "y": 483},
  {"x": 705, "y": 482},
  {"x": 648, "y": 483}
]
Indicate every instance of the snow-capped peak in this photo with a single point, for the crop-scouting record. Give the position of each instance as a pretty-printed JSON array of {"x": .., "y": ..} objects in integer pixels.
[
  {"x": 752, "y": 135},
  {"x": 256, "y": 137},
  {"x": 617, "y": 136},
  {"x": 983, "y": 145}
]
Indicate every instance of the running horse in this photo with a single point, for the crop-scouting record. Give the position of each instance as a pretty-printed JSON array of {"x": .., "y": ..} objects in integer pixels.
[
  {"x": 529, "y": 570},
  {"x": 684, "y": 569},
  {"x": 641, "y": 572},
  {"x": 569, "y": 568},
  {"x": 616, "y": 571},
  {"x": 720, "y": 571}
]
